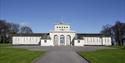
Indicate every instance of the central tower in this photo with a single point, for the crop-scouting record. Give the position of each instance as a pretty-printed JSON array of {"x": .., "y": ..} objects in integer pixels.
[{"x": 62, "y": 34}]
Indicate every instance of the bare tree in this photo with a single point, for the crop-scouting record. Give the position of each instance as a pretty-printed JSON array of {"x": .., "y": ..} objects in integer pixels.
[
  {"x": 119, "y": 31},
  {"x": 25, "y": 29},
  {"x": 3, "y": 31},
  {"x": 7, "y": 30},
  {"x": 13, "y": 28},
  {"x": 116, "y": 31},
  {"x": 106, "y": 30}
]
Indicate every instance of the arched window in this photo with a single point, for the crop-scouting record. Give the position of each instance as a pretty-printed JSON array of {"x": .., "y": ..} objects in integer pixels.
[
  {"x": 68, "y": 40},
  {"x": 55, "y": 40},
  {"x": 62, "y": 40}
]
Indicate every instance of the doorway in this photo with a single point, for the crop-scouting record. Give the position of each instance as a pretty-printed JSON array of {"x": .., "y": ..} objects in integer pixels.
[{"x": 62, "y": 40}]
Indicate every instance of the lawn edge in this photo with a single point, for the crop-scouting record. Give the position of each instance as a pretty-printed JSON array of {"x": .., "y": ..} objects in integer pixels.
[
  {"x": 38, "y": 58},
  {"x": 83, "y": 57}
]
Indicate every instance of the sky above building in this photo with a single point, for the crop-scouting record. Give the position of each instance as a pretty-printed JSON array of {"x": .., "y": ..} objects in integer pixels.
[{"x": 86, "y": 16}]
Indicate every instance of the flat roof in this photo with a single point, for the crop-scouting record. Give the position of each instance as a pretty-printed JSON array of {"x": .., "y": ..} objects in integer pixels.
[
  {"x": 31, "y": 34},
  {"x": 91, "y": 34}
]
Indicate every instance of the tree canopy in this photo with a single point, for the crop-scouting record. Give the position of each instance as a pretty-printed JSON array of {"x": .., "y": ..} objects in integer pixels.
[
  {"x": 25, "y": 29},
  {"x": 7, "y": 29},
  {"x": 116, "y": 31}
]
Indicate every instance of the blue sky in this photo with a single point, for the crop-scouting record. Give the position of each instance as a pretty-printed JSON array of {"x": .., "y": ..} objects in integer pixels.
[{"x": 87, "y": 16}]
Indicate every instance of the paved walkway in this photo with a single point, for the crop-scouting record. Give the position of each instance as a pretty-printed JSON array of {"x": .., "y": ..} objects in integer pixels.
[
  {"x": 61, "y": 57},
  {"x": 62, "y": 54}
]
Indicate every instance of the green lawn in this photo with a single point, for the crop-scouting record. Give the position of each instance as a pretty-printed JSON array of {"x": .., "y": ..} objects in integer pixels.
[
  {"x": 14, "y": 55},
  {"x": 105, "y": 56}
]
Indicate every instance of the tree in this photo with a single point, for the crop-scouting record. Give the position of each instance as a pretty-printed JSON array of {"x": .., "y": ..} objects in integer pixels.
[
  {"x": 106, "y": 30},
  {"x": 116, "y": 31},
  {"x": 7, "y": 30},
  {"x": 25, "y": 29},
  {"x": 3, "y": 26},
  {"x": 13, "y": 28},
  {"x": 3, "y": 31},
  {"x": 119, "y": 32}
]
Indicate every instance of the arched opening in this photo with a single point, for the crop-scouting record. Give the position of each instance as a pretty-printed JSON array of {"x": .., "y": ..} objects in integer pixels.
[
  {"x": 68, "y": 40},
  {"x": 55, "y": 40},
  {"x": 62, "y": 40}
]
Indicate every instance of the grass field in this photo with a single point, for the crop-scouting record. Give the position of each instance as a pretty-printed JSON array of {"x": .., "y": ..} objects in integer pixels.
[
  {"x": 105, "y": 56},
  {"x": 14, "y": 55}
]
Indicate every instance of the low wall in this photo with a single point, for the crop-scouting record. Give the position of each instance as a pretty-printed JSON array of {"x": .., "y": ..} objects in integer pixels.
[{"x": 46, "y": 43}]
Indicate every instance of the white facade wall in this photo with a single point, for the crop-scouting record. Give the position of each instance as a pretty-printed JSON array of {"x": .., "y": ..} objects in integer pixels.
[
  {"x": 25, "y": 40},
  {"x": 52, "y": 34},
  {"x": 78, "y": 42},
  {"x": 50, "y": 42},
  {"x": 45, "y": 42},
  {"x": 107, "y": 41},
  {"x": 94, "y": 41}
]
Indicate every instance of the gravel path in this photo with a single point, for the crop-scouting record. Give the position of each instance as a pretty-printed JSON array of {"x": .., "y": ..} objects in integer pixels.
[
  {"x": 62, "y": 54},
  {"x": 61, "y": 57}
]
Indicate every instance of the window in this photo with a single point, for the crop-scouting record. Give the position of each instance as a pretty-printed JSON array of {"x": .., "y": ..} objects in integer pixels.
[
  {"x": 68, "y": 40},
  {"x": 86, "y": 39},
  {"x": 62, "y": 39},
  {"x": 17, "y": 39},
  {"x": 93, "y": 39},
  {"x": 55, "y": 40},
  {"x": 78, "y": 41},
  {"x": 29, "y": 39},
  {"x": 45, "y": 41}
]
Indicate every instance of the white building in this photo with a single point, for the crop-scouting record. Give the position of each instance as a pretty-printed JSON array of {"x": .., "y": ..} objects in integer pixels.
[{"x": 61, "y": 35}]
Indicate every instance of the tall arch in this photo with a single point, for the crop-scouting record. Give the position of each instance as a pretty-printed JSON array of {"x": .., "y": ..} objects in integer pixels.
[
  {"x": 62, "y": 40},
  {"x": 56, "y": 39},
  {"x": 68, "y": 40}
]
